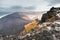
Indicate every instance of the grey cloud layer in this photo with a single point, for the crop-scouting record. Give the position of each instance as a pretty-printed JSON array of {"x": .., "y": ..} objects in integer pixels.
[
  {"x": 53, "y": 2},
  {"x": 34, "y": 4}
]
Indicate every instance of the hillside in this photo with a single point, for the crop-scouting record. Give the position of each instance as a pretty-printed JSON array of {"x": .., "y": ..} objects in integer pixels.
[{"x": 12, "y": 23}]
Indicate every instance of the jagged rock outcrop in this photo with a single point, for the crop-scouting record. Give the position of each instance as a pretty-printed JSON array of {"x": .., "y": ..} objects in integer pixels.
[{"x": 51, "y": 14}]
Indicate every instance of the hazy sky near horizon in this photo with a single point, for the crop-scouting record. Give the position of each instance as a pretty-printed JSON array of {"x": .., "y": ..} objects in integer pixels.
[{"x": 36, "y": 4}]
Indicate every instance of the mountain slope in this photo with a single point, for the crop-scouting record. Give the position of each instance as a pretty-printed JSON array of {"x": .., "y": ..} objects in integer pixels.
[{"x": 12, "y": 23}]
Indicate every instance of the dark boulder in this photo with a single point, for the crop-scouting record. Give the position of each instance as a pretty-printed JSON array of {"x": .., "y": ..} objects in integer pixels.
[{"x": 51, "y": 13}]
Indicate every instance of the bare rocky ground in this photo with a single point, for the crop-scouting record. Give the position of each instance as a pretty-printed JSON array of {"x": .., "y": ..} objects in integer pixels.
[{"x": 44, "y": 34}]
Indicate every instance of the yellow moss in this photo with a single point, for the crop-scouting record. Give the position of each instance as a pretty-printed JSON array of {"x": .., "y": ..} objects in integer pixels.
[{"x": 31, "y": 26}]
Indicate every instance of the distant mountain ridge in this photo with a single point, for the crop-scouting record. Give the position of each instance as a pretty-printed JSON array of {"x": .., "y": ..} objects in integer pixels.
[{"x": 12, "y": 23}]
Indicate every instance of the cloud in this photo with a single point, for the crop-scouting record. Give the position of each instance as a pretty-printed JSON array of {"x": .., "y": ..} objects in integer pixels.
[
  {"x": 17, "y": 8},
  {"x": 30, "y": 4},
  {"x": 21, "y": 7},
  {"x": 57, "y": 5},
  {"x": 25, "y": 3},
  {"x": 53, "y": 2},
  {"x": 37, "y": 4}
]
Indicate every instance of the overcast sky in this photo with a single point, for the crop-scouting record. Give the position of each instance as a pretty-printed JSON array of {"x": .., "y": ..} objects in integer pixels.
[{"x": 41, "y": 5}]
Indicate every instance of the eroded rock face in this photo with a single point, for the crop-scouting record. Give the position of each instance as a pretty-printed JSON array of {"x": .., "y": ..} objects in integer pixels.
[
  {"x": 44, "y": 34},
  {"x": 40, "y": 35},
  {"x": 51, "y": 13}
]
